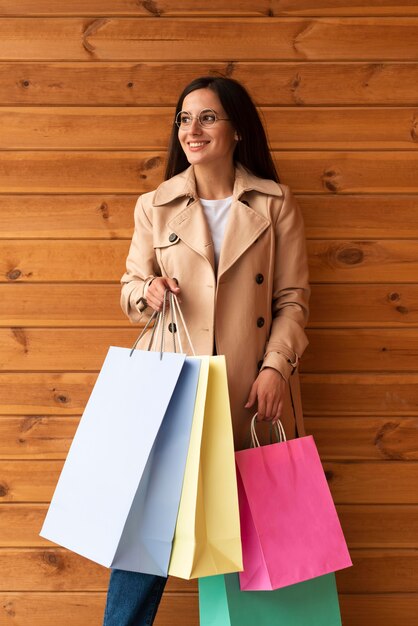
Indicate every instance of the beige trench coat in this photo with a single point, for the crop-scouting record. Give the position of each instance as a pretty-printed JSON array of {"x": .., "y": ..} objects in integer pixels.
[{"x": 255, "y": 310}]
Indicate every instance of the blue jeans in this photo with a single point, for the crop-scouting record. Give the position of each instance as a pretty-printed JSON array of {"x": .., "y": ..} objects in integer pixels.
[{"x": 132, "y": 598}]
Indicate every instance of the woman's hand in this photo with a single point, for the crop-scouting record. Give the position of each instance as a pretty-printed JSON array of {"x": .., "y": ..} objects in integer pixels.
[
  {"x": 156, "y": 290},
  {"x": 268, "y": 389}
]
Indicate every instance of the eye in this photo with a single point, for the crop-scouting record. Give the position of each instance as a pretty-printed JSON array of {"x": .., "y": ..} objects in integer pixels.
[
  {"x": 185, "y": 118},
  {"x": 208, "y": 117}
]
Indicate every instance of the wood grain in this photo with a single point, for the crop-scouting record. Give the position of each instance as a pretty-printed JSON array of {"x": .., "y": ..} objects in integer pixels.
[
  {"x": 331, "y": 216},
  {"x": 338, "y": 438},
  {"x": 79, "y": 609},
  {"x": 150, "y": 83},
  {"x": 119, "y": 39},
  {"x": 354, "y": 394},
  {"x": 146, "y": 128},
  {"x": 360, "y": 482},
  {"x": 331, "y": 306},
  {"x": 54, "y": 569},
  {"x": 339, "y": 261},
  {"x": 334, "y": 350},
  {"x": 137, "y": 172},
  {"x": 365, "y": 526},
  {"x": 219, "y": 8}
]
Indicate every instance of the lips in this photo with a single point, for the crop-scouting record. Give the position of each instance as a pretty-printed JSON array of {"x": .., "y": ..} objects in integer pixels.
[{"x": 197, "y": 144}]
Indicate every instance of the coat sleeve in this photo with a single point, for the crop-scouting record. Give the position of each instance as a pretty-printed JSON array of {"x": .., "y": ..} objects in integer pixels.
[
  {"x": 141, "y": 267},
  {"x": 287, "y": 340}
]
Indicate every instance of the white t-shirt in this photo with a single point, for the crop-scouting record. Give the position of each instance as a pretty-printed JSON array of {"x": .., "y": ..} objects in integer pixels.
[{"x": 217, "y": 212}]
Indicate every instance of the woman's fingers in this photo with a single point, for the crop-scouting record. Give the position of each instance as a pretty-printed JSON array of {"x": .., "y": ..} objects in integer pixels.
[{"x": 156, "y": 291}]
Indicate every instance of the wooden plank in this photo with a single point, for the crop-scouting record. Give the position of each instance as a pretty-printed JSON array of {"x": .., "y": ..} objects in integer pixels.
[
  {"x": 379, "y": 571},
  {"x": 54, "y": 569},
  {"x": 351, "y": 438},
  {"x": 334, "y": 394},
  {"x": 49, "y": 393},
  {"x": 138, "y": 172},
  {"x": 361, "y": 350},
  {"x": 61, "y": 260},
  {"x": 36, "y": 436},
  {"x": 337, "y": 438},
  {"x": 356, "y": 306},
  {"x": 71, "y": 609},
  {"x": 79, "y": 609},
  {"x": 61, "y": 305},
  {"x": 363, "y": 261},
  {"x": 159, "y": 84},
  {"x": 83, "y": 349},
  {"x": 359, "y": 217},
  {"x": 145, "y": 128},
  {"x": 375, "y": 610},
  {"x": 187, "y": 8},
  {"x": 60, "y": 216},
  {"x": 365, "y": 526},
  {"x": 119, "y": 39},
  {"x": 360, "y": 482},
  {"x": 104, "y": 261},
  {"x": 331, "y": 306},
  {"x": 360, "y": 394}
]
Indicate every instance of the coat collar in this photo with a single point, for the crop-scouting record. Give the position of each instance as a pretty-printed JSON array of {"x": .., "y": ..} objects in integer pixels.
[
  {"x": 244, "y": 225},
  {"x": 184, "y": 184}
]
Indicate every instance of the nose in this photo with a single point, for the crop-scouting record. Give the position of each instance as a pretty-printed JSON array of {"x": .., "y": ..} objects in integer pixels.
[{"x": 195, "y": 126}]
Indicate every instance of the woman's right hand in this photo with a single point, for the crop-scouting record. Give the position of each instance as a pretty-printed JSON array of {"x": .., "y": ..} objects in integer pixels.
[{"x": 156, "y": 290}]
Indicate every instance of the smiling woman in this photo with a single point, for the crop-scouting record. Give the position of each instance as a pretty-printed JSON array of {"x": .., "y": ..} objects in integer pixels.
[{"x": 225, "y": 236}]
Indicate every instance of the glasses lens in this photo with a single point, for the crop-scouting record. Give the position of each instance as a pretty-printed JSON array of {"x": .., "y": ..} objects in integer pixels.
[
  {"x": 183, "y": 119},
  {"x": 207, "y": 117}
]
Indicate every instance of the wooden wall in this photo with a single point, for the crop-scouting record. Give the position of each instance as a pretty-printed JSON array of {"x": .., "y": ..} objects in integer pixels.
[{"x": 87, "y": 90}]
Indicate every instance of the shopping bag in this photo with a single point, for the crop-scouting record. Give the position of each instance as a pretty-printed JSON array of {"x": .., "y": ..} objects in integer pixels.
[
  {"x": 207, "y": 536},
  {"x": 289, "y": 526},
  {"x": 117, "y": 497},
  {"x": 310, "y": 603}
]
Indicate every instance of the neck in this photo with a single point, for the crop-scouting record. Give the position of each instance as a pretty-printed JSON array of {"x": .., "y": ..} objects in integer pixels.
[{"x": 214, "y": 181}]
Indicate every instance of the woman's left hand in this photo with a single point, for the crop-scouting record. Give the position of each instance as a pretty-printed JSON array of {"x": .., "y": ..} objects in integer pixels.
[{"x": 268, "y": 389}]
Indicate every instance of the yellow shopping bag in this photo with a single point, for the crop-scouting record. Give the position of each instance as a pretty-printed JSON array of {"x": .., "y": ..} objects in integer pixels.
[{"x": 207, "y": 538}]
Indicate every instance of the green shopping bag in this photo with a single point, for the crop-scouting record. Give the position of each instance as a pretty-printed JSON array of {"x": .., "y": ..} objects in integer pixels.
[{"x": 313, "y": 602}]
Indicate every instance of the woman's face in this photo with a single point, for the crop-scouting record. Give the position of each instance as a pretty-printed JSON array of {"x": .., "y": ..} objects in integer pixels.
[{"x": 207, "y": 145}]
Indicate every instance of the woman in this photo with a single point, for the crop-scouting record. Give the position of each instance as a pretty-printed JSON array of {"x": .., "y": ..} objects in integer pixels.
[{"x": 225, "y": 237}]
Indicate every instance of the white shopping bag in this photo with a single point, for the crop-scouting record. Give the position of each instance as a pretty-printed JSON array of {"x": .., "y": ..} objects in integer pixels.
[{"x": 110, "y": 452}]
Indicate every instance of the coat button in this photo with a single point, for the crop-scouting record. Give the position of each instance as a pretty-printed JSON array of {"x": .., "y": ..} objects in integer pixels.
[
  {"x": 260, "y": 322},
  {"x": 172, "y": 327},
  {"x": 173, "y": 237},
  {"x": 259, "y": 279},
  {"x": 259, "y": 364}
]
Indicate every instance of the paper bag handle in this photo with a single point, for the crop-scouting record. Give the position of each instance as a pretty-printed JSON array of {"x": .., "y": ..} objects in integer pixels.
[
  {"x": 277, "y": 427},
  {"x": 159, "y": 326}
]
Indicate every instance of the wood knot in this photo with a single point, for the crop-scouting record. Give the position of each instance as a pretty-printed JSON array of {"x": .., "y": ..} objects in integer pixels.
[
  {"x": 14, "y": 274},
  {"x": 152, "y": 7},
  {"x": 9, "y": 609},
  {"x": 52, "y": 559},
  {"x": 402, "y": 309},
  {"x": 25, "y": 83},
  {"x": 4, "y": 490},
  {"x": 130, "y": 85},
  {"x": 330, "y": 180},
  {"x": 382, "y": 441},
  {"x": 104, "y": 210},
  {"x": 329, "y": 475},
  {"x": 393, "y": 296},
  {"x": 61, "y": 399},
  {"x": 350, "y": 256},
  {"x": 229, "y": 70}
]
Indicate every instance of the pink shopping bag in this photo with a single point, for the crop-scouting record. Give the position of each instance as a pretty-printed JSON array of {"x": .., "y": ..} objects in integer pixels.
[{"x": 290, "y": 530}]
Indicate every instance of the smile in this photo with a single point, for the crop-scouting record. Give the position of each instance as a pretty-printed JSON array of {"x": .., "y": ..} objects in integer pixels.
[{"x": 197, "y": 144}]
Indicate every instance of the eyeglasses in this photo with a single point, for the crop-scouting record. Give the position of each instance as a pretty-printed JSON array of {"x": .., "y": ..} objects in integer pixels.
[{"x": 206, "y": 118}]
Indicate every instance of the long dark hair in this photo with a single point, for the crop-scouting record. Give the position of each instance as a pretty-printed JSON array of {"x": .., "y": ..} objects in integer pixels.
[{"x": 252, "y": 150}]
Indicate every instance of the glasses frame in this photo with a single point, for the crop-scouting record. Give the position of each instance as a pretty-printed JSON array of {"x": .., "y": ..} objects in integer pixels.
[{"x": 179, "y": 125}]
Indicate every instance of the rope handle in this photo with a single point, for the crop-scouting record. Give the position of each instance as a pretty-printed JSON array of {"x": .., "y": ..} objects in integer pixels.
[
  {"x": 159, "y": 326},
  {"x": 277, "y": 427}
]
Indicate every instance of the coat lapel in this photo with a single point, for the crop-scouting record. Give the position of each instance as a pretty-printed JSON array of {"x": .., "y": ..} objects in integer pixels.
[
  {"x": 244, "y": 226},
  {"x": 192, "y": 228}
]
